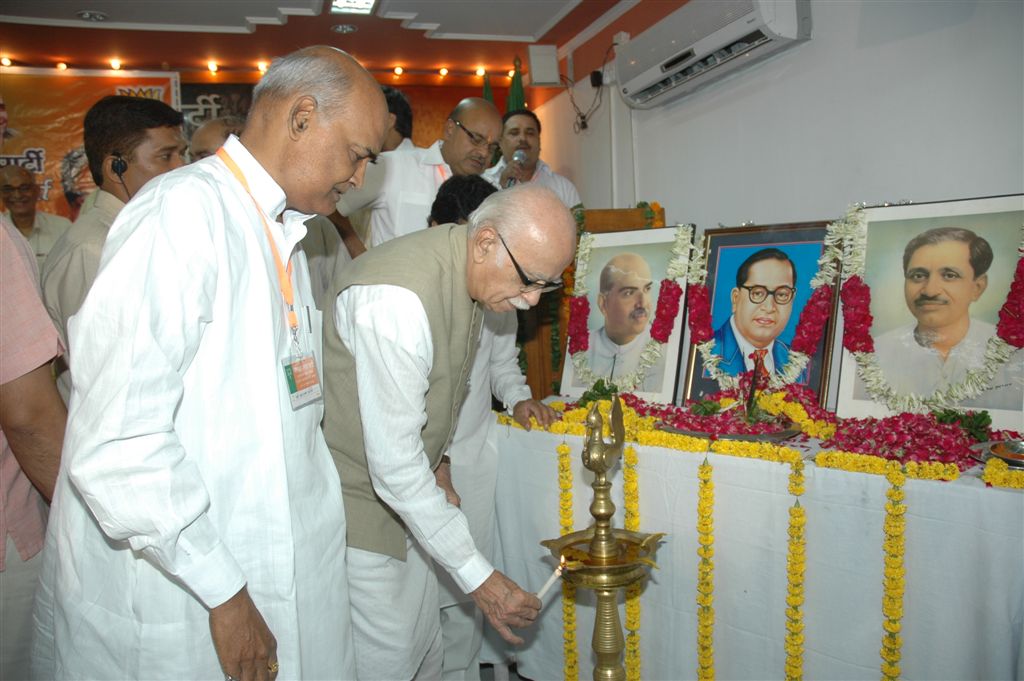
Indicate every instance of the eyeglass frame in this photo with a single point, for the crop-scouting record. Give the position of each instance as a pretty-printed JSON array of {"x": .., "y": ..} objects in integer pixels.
[
  {"x": 476, "y": 139},
  {"x": 529, "y": 285},
  {"x": 769, "y": 292},
  {"x": 10, "y": 189}
]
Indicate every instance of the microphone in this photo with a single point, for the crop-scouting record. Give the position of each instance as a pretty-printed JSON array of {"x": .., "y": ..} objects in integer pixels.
[{"x": 518, "y": 157}]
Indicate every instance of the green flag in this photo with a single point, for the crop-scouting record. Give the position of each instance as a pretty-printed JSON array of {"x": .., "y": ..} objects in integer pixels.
[
  {"x": 516, "y": 96},
  {"x": 488, "y": 94}
]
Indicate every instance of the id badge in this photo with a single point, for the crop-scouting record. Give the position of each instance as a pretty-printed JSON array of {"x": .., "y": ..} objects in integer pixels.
[{"x": 303, "y": 380}]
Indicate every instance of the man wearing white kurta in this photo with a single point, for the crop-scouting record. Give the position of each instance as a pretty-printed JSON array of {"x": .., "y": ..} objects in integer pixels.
[
  {"x": 400, "y": 189},
  {"x": 198, "y": 529},
  {"x": 474, "y": 457},
  {"x": 406, "y": 326},
  {"x": 520, "y": 158}
]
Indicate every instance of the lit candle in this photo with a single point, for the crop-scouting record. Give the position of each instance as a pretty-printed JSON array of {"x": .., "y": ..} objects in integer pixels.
[{"x": 552, "y": 579}]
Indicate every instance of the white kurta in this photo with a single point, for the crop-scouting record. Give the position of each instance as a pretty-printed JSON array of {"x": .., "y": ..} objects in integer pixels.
[
  {"x": 544, "y": 176},
  {"x": 186, "y": 473},
  {"x": 398, "y": 191},
  {"x": 912, "y": 368},
  {"x": 610, "y": 361},
  {"x": 473, "y": 453}
]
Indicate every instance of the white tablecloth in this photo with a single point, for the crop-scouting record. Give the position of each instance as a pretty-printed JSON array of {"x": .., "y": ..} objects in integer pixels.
[{"x": 964, "y": 602}]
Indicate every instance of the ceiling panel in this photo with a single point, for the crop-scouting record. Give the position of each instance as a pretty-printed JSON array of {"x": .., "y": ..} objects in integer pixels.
[{"x": 523, "y": 21}]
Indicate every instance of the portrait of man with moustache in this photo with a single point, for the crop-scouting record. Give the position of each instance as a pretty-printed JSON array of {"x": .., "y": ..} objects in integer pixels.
[{"x": 945, "y": 272}]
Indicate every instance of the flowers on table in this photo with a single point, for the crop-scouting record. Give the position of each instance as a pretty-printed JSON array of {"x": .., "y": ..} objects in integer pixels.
[
  {"x": 998, "y": 474},
  {"x": 904, "y": 437}
]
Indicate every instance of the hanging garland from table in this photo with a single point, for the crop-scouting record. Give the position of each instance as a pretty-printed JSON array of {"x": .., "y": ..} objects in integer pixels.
[
  {"x": 664, "y": 318},
  {"x": 809, "y": 329},
  {"x": 856, "y": 299},
  {"x": 705, "y": 573}
]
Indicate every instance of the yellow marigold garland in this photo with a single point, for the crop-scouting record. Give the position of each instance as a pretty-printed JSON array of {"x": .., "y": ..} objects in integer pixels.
[
  {"x": 796, "y": 563},
  {"x": 631, "y": 494},
  {"x": 705, "y": 573},
  {"x": 876, "y": 465},
  {"x": 998, "y": 474},
  {"x": 894, "y": 582},
  {"x": 571, "y": 669},
  {"x": 775, "y": 403}
]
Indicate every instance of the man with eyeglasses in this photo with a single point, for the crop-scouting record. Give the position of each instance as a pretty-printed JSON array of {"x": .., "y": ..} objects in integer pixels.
[
  {"x": 20, "y": 194},
  {"x": 762, "y": 303},
  {"x": 398, "y": 355},
  {"x": 400, "y": 188}
]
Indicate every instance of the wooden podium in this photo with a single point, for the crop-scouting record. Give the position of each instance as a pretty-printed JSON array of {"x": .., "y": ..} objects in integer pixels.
[{"x": 537, "y": 325}]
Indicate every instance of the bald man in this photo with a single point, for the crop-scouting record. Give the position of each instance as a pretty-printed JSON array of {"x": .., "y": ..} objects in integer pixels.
[
  {"x": 400, "y": 189},
  {"x": 626, "y": 300},
  {"x": 398, "y": 354},
  {"x": 20, "y": 195},
  {"x": 198, "y": 530},
  {"x": 211, "y": 135}
]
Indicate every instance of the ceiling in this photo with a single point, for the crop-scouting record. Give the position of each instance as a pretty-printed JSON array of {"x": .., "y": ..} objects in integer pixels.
[{"x": 421, "y": 36}]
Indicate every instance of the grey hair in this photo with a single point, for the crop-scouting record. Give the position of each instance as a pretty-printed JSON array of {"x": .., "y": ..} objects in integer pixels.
[
  {"x": 505, "y": 211},
  {"x": 305, "y": 72}
]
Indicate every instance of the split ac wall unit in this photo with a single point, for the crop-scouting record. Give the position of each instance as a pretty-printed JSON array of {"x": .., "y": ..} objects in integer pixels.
[{"x": 703, "y": 41}]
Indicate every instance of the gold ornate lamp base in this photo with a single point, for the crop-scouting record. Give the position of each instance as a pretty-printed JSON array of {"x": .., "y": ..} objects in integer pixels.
[{"x": 602, "y": 558}]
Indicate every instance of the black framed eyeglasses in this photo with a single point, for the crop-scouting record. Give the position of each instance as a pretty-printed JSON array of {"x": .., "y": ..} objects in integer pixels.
[
  {"x": 476, "y": 138},
  {"x": 783, "y": 295},
  {"x": 529, "y": 285}
]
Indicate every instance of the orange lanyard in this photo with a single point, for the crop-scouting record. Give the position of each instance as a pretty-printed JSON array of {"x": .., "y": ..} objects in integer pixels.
[
  {"x": 442, "y": 174},
  {"x": 284, "y": 274}
]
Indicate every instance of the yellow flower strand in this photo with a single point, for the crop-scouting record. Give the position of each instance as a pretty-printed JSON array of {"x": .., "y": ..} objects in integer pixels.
[
  {"x": 894, "y": 583},
  {"x": 876, "y": 465},
  {"x": 766, "y": 451},
  {"x": 705, "y": 573},
  {"x": 998, "y": 474},
  {"x": 571, "y": 669},
  {"x": 796, "y": 563},
  {"x": 775, "y": 403},
  {"x": 631, "y": 494}
]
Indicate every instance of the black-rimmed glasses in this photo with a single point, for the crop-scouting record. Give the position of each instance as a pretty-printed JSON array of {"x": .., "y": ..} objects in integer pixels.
[
  {"x": 476, "y": 138},
  {"x": 529, "y": 285},
  {"x": 783, "y": 295}
]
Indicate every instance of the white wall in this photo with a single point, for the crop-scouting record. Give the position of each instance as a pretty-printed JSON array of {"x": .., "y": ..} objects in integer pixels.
[{"x": 889, "y": 100}]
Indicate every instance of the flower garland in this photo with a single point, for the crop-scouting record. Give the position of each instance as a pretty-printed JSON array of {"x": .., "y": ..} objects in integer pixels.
[
  {"x": 809, "y": 328},
  {"x": 856, "y": 297},
  {"x": 894, "y": 583},
  {"x": 664, "y": 319},
  {"x": 571, "y": 669},
  {"x": 875, "y": 465},
  {"x": 998, "y": 474},
  {"x": 705, "y": 573},
  {"x": 796, "y": 565},
  {"x": 905, "y": 437},
  {"x": 631, "y": 494}
]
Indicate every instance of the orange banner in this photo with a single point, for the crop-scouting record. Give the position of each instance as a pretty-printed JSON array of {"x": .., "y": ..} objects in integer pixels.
[{"x": 41, "y": 114}]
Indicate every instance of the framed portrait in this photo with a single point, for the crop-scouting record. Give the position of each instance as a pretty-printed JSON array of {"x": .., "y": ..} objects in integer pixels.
[
  {"x": 625, "y": 325},
  {"x": 938, "y": 275},
  {"x": 759, "y": 283}
]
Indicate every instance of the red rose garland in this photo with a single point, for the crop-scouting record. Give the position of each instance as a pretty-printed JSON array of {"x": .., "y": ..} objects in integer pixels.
[
  {"x": 668, "y": 308},
  {"x": 812, "y": 320},
  {"x": 699, "y": 317},
  {"x": 1011, "y": 316},
  {"x": 857, "y": 318},
  {"x": 579, "y": 314}
]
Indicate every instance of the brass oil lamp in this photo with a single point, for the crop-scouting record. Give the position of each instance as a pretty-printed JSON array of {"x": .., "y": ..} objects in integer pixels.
[{"x": 602, "y": 558}]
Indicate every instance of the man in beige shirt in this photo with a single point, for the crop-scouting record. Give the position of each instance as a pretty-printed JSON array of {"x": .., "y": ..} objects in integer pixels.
[
  {"x": 21, "y": 194},
  {"x": 128, "y": 141}
]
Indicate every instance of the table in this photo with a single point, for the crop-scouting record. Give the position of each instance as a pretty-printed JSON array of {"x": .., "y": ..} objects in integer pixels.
[{"x": 964, "y": 600}]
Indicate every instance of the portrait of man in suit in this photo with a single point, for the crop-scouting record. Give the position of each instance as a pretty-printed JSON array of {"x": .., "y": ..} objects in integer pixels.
[{"x": 762, "y": 303}]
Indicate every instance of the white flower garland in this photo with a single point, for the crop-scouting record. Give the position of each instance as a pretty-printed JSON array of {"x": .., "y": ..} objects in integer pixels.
[
  {"x": 828, "y": 272},
  {"x": 677, "y": 267},
  {"x": 975, "y": 381}
]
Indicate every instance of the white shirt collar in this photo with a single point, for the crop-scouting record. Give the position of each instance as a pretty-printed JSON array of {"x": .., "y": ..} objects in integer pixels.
[{"x": 747, "y": 349}]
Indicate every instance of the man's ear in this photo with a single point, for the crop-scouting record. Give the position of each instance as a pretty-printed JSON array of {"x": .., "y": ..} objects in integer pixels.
[
  {"x": 300, "y": 116},
  {"x": 391, "y": 120},
  {"x": 483, "y": 241},
  {"x": 600, "y": 302},
  {"x": 980, "y": 284},
  {"x": 735, "y": 298}
]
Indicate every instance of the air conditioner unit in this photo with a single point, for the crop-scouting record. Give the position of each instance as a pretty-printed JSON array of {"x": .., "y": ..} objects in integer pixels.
[{"x": 703, "y": 41}]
